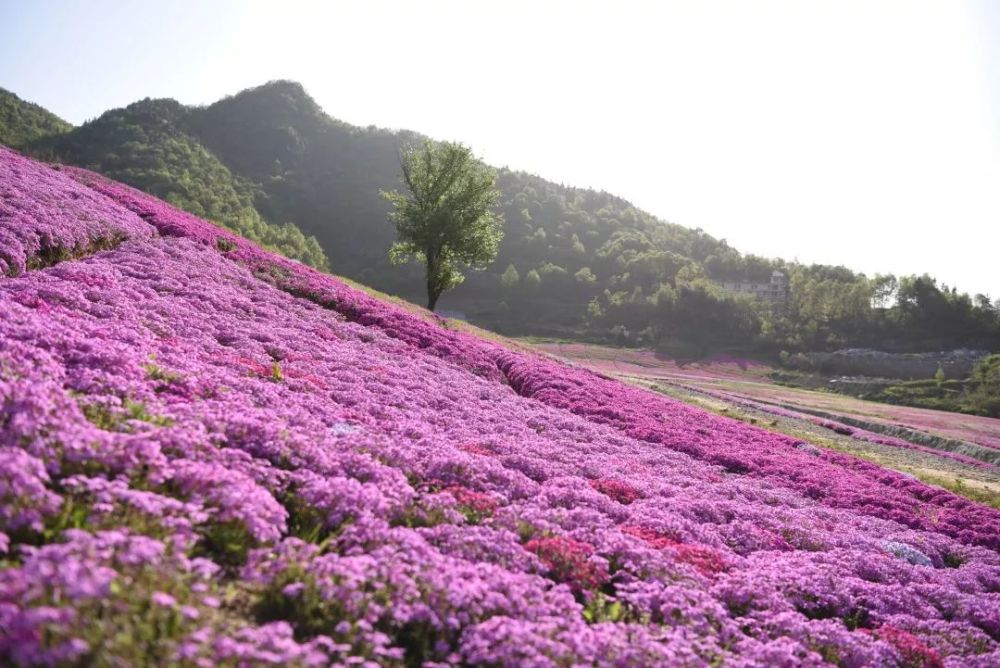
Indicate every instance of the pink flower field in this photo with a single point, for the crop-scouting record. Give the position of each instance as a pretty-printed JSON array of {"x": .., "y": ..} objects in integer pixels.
[{"x": 214, "y": 456}]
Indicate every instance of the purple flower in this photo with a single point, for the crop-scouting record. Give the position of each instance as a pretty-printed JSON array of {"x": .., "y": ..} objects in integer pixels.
[{"x": 163, "y": 599}]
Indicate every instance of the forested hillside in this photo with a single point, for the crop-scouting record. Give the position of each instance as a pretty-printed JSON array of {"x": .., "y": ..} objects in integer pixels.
[
  {"x": 22, "y": 121},
  {"x": 574, "y": 263}
]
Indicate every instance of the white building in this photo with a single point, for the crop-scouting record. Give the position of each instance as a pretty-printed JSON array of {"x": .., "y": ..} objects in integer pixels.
[{"x": 775, "y": 290}]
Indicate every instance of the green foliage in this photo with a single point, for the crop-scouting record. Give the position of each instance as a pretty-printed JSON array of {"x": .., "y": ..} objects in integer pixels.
[
  {"x": 108, "y": 418},
  {"x": 159, "y": 374},
  {"x": 510, "y": 278},
  {"x": 600, "y": 609},
  {"x": 417, "y": 514},
  {"x": 22, "y": 122},
  {"x": 943, "y": 396},
  {"x": 831, "y": 307},
  {"x": 987, "y": 496},
  {"x": 51, "y": 254},
  {"x": 533, "y": 280},
  {"x": 585, "y": 276},
  {"x": 985, "y": 399},
  {"x": 312, "y": 613},
  {"x": 226, "y": 543},
  {"x": 987, "y": 372},
  {"x": 148, "y": 145},
  {"x": 73, "y": 514},
  {"x": 445, "y": 219},
  {"x": 305, "y": 521}
]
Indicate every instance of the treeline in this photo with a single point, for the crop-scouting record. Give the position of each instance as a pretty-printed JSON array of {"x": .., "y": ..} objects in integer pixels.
[
  {"x": 827, "y": 308},
  {"x": 574, "y": 263}
]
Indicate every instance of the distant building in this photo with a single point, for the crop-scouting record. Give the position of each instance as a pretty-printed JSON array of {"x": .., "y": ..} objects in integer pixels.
[{"x": 775, "y": 290}]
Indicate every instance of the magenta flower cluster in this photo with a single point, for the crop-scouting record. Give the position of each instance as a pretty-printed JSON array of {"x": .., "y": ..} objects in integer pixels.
[{"x": 210, "y": 455}]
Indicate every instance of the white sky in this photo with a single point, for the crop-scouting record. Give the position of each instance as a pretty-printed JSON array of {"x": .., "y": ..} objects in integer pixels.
[{"x": 857, "y": 133}]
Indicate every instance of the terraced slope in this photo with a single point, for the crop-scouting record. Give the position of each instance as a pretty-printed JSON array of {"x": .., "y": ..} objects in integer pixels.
[{"x": 212, "y": 455}]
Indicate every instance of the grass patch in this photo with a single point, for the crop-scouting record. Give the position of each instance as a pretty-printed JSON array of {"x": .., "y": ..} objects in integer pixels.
[
  {"x": 159, "y": 374},
  {"x": 959, "y": 486},
  {"x": 225, "y": 543},
  {"x": 51, "y": 255},
  {"x": 116, "y": 420},
  {"x": 224, "y": 245}
]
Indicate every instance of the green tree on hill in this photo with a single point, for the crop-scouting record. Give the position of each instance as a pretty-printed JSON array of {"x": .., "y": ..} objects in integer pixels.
[
  {"x": 509, "y": 279},
  {"x": 533, "y": 280},
  {"x": 446, "y": 219}
]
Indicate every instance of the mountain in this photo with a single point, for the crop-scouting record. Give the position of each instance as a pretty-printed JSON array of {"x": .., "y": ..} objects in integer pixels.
[
  {"x": 326, "y": 176},
  {"x": 574, "y": 263},
  {"x": 213, "y": 455},
  {"x": 22, "y": 122}
]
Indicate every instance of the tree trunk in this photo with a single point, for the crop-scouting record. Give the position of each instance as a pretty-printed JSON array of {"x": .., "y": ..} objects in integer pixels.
[{"x": 432, "y": 270}]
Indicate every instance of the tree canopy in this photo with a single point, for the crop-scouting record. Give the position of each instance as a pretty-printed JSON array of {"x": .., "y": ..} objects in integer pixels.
[{"x": 446, "y": 218}]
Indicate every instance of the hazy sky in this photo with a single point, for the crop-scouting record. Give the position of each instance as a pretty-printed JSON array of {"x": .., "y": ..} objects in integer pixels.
[{"x": 857, "y": 133}]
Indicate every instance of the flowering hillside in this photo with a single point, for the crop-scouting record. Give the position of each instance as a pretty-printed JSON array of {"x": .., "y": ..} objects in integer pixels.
[{"x": 212, "y": 455}]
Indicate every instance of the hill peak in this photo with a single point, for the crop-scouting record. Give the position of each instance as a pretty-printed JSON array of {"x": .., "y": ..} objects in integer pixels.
[
  {"x": 281, "y": 100},
  {"x": 156, "y": 109}
]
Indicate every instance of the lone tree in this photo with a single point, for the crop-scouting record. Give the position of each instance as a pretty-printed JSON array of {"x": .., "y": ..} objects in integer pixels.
[{"x": 446, "y": 219}]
